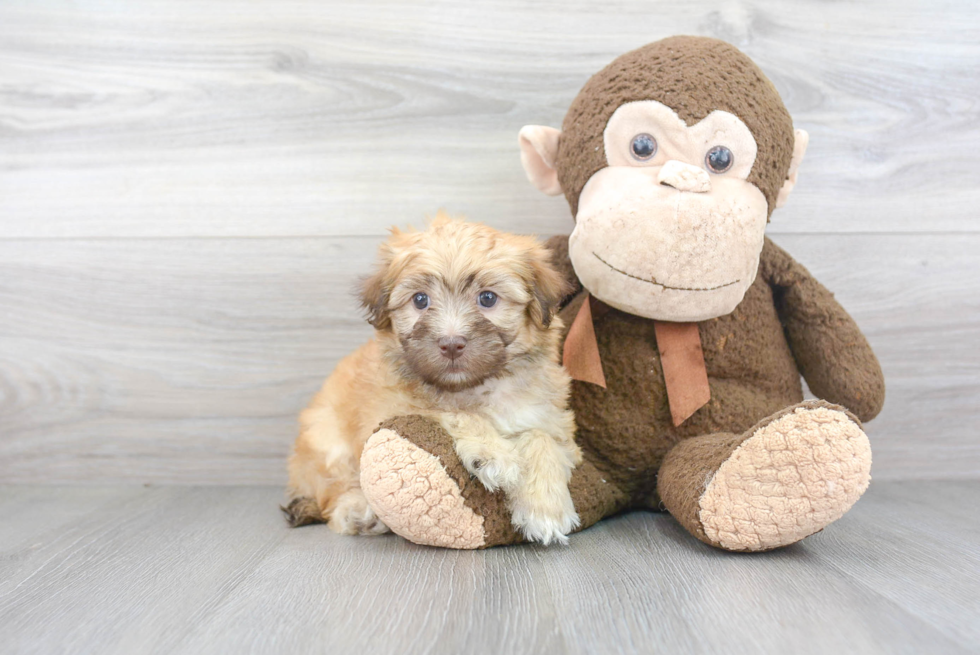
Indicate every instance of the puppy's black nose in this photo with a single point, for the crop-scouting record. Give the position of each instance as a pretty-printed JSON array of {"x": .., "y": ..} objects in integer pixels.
[{"x": 452, "y": 347}]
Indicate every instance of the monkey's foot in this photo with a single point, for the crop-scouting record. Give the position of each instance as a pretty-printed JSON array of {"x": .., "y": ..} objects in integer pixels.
[
  {"x": 417, "y": 486},
  {"x": 785, "y": 479}
]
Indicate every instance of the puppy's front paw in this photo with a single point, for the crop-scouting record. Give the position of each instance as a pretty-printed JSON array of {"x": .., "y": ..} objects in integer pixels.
[
  {"x": 546, "y": 518},
  {"x": 495, "y": 468},
  {"x": 353, "y": 515}
]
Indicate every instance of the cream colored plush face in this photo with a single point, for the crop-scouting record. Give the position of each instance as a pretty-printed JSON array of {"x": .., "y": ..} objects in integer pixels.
[{"x": 666, "y": 237}]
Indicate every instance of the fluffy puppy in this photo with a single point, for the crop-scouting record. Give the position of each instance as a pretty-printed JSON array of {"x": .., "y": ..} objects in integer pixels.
[{"x": 466, "y": 333}]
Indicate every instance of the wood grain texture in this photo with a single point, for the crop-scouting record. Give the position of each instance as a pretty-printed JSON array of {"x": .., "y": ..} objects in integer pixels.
[
  {"x": 188, "y": 192},
  {"x": 293, "y": 117},
  {"x": 138, "y": 572},
  {"x": 209, "y": 570},
  {"x": 189, "y": 360}
]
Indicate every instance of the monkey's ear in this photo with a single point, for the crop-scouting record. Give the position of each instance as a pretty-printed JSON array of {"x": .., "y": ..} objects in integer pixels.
[
  {"x": 548, "y": 286},
  {"x": 799, "y": 149},
  {"x": 539, "y": 151},
  {"x": 374, "y": 298}
]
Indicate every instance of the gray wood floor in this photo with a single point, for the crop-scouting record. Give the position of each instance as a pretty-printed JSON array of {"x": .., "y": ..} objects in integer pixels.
[{"x": 134, "y": 569}]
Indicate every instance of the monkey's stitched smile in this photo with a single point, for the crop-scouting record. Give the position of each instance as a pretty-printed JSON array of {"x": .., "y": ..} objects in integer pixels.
[{"x": 660, "y": 284}]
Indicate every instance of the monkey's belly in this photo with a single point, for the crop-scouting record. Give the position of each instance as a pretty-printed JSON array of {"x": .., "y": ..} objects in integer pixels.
[{"x": 626, "y": 429}]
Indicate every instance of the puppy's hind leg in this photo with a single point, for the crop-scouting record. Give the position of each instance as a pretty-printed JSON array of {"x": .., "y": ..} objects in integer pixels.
[
  {"x": 302, "y": 511},
  {"x": 324, "y": 487},
  {"x": 350, "y": 514}
]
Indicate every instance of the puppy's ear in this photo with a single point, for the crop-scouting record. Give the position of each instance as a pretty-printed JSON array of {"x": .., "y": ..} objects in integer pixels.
[
  {"x": 375, "y": 291},
  {"x": 374, "y": 298},
  {"x": 548, "y": 287}
]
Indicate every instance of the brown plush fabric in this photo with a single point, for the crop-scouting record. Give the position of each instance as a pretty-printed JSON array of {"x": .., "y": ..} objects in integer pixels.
[
  {"x": 694, "y": 76},
  {"x": 595, "y": 495},
  {"x": 430, "y": 436},
  {"x": 685, "y": 473},
  {"x": 830, "y": 350},
  {"x": 627, "y": 427},
  {"x": 691, "y": 464}
]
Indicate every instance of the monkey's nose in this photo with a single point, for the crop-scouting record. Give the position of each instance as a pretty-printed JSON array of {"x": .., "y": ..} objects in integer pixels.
[
  {"x": 684, "y": 177},
  {"x": 452, "y": 347}
]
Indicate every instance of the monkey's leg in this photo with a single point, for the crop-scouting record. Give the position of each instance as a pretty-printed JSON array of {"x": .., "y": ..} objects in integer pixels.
[
  {"x": 414, "y": 481},
  {"x": 784, "y": 479}
]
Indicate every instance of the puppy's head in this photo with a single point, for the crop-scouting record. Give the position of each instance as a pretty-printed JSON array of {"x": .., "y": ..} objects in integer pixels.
[{"x": 459, "y": 301}]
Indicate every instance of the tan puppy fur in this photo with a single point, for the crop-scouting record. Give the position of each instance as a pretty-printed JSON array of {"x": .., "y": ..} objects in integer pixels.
[{"x": 466, "y": 333}]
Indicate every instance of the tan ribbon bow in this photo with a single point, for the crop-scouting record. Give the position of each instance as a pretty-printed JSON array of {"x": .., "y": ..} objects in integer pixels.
[{"x": 680, "y": 356}]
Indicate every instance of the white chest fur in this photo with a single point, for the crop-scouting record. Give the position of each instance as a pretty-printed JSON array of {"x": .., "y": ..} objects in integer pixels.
[{"x": 512, "y": 404}]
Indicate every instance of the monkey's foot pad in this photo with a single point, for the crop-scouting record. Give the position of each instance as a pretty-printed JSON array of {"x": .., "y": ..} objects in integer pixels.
[
  {"x": 410, "y": 490},
  {"x": 791, "y": 478}
]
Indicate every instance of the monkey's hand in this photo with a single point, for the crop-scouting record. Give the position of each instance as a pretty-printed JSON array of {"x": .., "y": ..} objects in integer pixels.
[{"x": 835, "y": 358}]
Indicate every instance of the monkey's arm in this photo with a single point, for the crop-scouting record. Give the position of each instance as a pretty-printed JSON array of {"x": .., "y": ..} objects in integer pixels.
[
  {"x": 558, "y": 245},
  {"x": 835, "y": 358}
]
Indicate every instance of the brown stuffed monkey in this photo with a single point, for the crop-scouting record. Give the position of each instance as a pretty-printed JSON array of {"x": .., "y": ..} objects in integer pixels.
[{"x": 689, "y": 330}]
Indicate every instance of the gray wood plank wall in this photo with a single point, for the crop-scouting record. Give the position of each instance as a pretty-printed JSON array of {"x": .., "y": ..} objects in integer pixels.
[{"x": 188, "y": 192}]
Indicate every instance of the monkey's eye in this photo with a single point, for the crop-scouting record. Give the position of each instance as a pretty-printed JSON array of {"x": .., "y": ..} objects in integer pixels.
[
  {"x": 643, "y": 147},
  {"x": 719, "y": 159},
  {"x": 420, "y": 300},
  {"x": 487, "y": 299}
]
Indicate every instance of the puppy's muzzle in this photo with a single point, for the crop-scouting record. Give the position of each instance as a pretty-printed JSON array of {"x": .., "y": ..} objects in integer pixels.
[{"x": 452, "y": 347}]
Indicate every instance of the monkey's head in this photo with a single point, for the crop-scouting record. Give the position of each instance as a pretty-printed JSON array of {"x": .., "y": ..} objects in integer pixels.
[{"x": 672, "y": 159}]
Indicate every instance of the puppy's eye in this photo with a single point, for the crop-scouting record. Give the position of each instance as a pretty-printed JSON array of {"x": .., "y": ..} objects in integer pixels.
[
  {"x": 719, "y": 159},
  {"x": 643, "y": 147},
  {"x": 487, "y": 299},
  {"x": 420, "y": 300}
]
